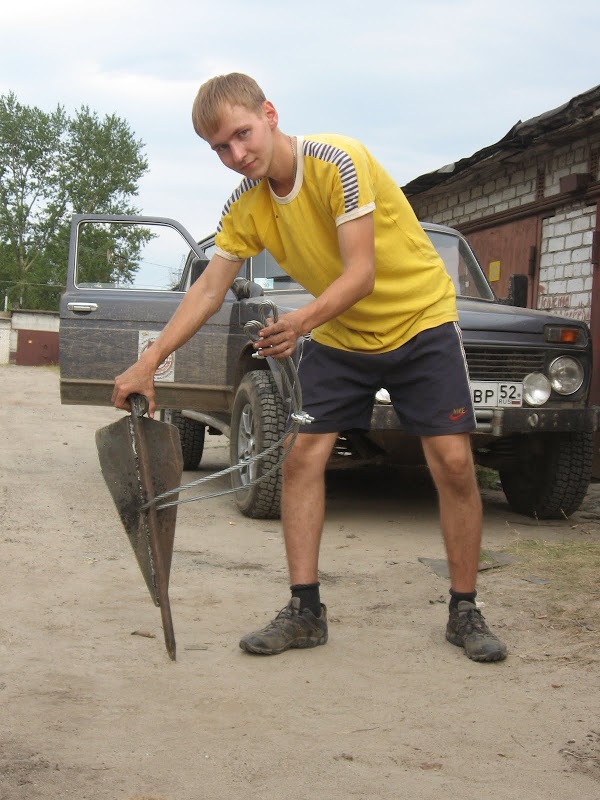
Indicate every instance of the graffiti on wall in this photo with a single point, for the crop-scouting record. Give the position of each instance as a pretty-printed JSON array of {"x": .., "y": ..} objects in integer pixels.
[{"x": 561, "y": 304}]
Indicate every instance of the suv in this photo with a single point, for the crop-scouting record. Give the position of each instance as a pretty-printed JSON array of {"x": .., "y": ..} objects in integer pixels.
[{"x": 530, "y": 371}]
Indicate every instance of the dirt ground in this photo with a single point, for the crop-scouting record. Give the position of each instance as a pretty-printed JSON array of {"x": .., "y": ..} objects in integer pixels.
[{"x": 92, "y": 707}]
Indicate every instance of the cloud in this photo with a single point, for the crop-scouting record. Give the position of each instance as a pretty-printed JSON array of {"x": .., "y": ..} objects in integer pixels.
[{"x": 422, "y": 84}]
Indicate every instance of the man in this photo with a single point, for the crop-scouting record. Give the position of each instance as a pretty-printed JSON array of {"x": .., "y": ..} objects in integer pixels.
[{"x": 384, "y": 314}]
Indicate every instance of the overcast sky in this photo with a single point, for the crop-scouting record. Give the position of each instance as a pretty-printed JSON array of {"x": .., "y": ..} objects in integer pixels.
[{"x": 421, "y": 83}]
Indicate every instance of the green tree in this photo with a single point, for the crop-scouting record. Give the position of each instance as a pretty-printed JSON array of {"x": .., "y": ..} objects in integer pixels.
[{"x": 51, "y": 166}]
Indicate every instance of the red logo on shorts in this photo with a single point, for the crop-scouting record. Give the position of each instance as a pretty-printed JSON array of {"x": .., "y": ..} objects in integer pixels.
[{"x": 457, "y": 414}]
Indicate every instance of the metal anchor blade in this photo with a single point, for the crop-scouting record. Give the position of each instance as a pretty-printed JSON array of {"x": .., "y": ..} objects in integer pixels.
[{"x": 141, "y": 458}]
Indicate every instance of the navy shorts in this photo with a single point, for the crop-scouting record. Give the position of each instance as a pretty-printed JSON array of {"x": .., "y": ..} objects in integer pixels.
[{"x": 427, "y": 380}]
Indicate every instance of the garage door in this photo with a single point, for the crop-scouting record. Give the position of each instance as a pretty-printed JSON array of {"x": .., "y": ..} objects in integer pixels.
[
  {"x": 509, "y": 249},
  {"x": 37, "y": 348}
]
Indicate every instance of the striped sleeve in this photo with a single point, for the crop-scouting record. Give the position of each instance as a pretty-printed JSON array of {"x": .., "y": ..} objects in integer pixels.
[
  {"x": 345, "y": 166},
  {"x": 243, "y": 187}
]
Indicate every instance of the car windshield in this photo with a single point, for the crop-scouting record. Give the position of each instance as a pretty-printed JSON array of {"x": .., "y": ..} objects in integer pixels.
[
  {"x": 458, "y": 258},
  {"x": 267, "y": 273},
  {"x": 461, "y": 265}
]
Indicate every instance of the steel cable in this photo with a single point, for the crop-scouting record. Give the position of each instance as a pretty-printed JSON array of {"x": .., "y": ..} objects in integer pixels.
[{"x": 289, "y": 376}]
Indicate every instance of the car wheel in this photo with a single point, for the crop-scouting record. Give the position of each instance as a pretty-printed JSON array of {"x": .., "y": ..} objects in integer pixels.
[
  {"x": 552, "y": 478},
  {"x": 191, "y": 434},
  {"x": 257, "y": 422}
]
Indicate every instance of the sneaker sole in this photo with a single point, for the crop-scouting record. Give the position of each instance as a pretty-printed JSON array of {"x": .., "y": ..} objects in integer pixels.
[
  {"x": 269, "y": 651},
  {"x": 499, "y": 655}
]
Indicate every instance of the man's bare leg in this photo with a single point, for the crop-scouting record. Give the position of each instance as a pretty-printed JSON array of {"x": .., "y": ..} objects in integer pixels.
[
  {"x": 451, "y": 463},
  {"x": 303, "y": 504},
  {"x": 303, "y": 511}
]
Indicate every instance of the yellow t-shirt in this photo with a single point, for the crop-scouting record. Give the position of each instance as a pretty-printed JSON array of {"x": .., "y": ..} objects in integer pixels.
[{"x": 338, "y": 180}]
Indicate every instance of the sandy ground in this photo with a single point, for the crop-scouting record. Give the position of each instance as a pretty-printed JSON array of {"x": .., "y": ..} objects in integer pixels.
[{"x": 387, "y": 709}]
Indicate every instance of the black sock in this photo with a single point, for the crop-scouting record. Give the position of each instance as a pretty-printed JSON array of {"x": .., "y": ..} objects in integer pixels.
[
  {"x": 309, "y": 596},
  {"x": 456, "y": 597}
]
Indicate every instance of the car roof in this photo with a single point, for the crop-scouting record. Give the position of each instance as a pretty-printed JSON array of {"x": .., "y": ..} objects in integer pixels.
[{"x": 428, "y": 226}]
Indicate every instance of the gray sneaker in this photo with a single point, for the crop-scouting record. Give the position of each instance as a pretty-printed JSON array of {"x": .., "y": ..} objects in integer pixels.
[
  {"x": 466, "y": 628},
  {"x": 290, "y": 628}
]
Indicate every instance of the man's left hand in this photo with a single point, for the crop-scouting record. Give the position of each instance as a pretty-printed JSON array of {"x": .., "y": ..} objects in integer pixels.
[{"x": 278, "y": 339}]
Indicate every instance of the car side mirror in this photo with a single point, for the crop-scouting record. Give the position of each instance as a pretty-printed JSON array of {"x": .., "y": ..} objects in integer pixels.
[
  {"x": 518, "y": 288},
  {"x": 243, "y": 289},
  {"x": 198, "y": 266}
]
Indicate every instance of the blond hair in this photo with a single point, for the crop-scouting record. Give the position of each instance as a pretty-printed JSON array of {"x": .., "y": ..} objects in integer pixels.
[{"x": 217, "y": 93}]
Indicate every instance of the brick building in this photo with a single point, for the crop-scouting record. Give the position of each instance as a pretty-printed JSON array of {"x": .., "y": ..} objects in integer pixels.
[{"x": 529, "y": 204}]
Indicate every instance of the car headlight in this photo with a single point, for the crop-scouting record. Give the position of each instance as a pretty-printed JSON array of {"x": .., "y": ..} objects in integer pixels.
[
  {"x": 536, "y": 389},
  {"x": 566, "y": 375}
]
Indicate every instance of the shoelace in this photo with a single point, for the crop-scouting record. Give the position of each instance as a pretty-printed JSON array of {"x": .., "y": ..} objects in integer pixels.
[
  {"x": 286, "y": 611},
  {"x": 474, "y": 618}
]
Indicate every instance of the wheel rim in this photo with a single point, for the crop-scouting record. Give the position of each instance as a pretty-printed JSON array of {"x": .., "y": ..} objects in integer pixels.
[{"x": 246, "y": 445}]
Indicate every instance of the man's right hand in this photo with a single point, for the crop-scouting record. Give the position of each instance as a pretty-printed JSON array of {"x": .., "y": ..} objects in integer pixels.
[{"x": 138, "y": 379}]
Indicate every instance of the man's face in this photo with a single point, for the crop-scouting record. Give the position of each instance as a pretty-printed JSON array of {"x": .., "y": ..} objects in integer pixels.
[{"x": 244, "y": 140}]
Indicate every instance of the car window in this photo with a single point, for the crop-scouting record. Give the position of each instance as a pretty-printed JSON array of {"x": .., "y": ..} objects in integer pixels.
[
  {"x": 118, "y": 255},
  {"x": 209, "y": 251},
  {"x": 267, "y": 273},
  {"x": 461, "y": 265},
  {"x": 262, "y": 269}
]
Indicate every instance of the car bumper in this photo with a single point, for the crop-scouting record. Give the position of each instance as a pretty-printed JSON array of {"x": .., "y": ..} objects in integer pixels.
[
  {"x": 505, "y": 421},
  {"x": 528, "y": 420}
]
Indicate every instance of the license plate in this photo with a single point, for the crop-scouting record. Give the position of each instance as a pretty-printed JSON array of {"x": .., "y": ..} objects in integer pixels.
[{"x": 492, "y": 394}]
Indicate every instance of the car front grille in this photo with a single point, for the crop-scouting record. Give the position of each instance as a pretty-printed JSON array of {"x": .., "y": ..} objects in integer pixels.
[{"x": 503, "y": 363}]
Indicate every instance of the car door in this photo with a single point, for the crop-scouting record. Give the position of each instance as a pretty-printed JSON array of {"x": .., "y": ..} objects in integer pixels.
[{"x": 126, "y": 276}]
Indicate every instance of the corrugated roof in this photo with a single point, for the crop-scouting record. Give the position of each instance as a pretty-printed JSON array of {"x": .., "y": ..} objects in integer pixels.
[{"x": 582, "y": 110}]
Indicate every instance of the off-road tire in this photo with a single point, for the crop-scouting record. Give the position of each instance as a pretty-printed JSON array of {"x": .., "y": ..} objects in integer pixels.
[
  {"x": 552, "y": 478},
  {"x": 257, "y": 422},
  {"x": 191, "y": 434}
]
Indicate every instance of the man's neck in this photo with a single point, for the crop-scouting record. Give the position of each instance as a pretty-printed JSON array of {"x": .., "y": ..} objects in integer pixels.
[{"x": 284, "y": 177}]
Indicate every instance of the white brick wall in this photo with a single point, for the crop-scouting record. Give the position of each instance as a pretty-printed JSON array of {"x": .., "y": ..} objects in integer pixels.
[
  {"x": 501, "y": 191},
  {"x": 565, "y": 282},
  {"x": 503, "y": 185},
  {"x": 4, "y": 340},
  {"x": 35, "y": 320}
]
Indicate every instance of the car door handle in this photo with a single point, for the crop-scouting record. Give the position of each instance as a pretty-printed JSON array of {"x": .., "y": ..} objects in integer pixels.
[{"x": 82, "y": 307}]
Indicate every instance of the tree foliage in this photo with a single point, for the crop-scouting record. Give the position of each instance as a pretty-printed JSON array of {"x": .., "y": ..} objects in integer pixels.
[{"x": 51, "y": 166}]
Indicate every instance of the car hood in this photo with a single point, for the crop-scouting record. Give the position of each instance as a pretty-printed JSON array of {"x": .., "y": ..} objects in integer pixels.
[
  {"x": 482, "y": 315},
  {"x": 474, "y": 315}
]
